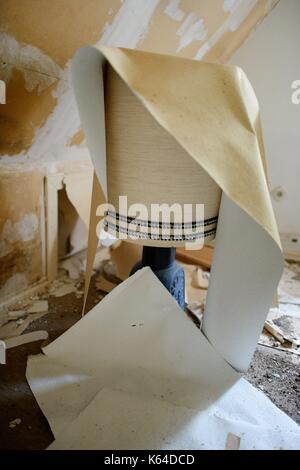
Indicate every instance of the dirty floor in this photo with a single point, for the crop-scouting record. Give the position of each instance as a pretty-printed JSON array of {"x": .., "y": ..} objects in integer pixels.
[{"x": 274, "y": 372}]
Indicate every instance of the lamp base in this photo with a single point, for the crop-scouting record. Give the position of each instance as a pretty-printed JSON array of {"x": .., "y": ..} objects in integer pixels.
[{"x": 163, "y": 264}]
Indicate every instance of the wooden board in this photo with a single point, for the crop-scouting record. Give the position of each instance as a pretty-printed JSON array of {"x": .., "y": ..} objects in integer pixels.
[{"x": 199, "y": 257}]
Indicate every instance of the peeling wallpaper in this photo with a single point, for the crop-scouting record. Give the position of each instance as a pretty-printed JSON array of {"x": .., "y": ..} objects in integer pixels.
[{"x": 21, "y": 216}]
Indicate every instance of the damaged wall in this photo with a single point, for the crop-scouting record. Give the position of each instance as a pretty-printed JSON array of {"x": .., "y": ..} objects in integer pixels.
[
  {"x": 21, "y": 229},
  {"x": 40, "y": 118}
]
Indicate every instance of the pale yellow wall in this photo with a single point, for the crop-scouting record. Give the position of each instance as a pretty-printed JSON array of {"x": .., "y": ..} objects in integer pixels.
[
  {"x": 48, "y": 32},
  {"x": 21, "y": 229}
]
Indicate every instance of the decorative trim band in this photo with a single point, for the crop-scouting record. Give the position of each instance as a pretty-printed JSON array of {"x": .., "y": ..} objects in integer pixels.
[
  {"x": 159, "y": 236},
  {"x": 165, "y": 225}
]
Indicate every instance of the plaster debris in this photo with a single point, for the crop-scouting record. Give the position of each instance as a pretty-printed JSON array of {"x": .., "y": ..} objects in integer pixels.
[
  {"x": 3, "y": 317},
  {"x": 16, "y": 314},
  {"x": 63, "y": 290},
  {"x": 39, "y": 306},
  {"x": 15, "y": 328},
  {"x": 192, "y": 293},
  {"x": 286, "y": 329},
  {"x": 196, "y": 310},
  {"x": 20, "y": 341},
  {"x": 233, "y": 442},
  {"x": 282, "y": 327},
  {"x": 109, "y": 271},
  {"x": 173, "y": 11},
  {"x": 73, "y": 266},
  {"x": 39, "y": 70},
  {"x": 239, "y": 10},
  {"x": 200, "y": 278},
  {"x": 102, "y": 284},
  {"x": 15, "y": 422}
]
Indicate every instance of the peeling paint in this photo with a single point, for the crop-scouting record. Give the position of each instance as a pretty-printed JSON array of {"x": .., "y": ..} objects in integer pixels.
[
  {"x": 130, "y": 24},
  {"x": 38, "y": 69},
  {"x": 192, "y": 29},
  {"x": 173, "y": 11},
  {"x": 239, "y": 10},
  {"x": 229, "y": 5},
  {"x": 51, "y": 141},
  {"x": 240, "y": 13},
  {"x": 15, "y": 283},
  {"x": 24, "y": 230}
]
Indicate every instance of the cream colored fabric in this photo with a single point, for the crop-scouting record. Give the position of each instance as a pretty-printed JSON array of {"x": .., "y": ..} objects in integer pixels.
[
  {"x": 212, "y": 112},
  {"x": 145, "y": 163}
]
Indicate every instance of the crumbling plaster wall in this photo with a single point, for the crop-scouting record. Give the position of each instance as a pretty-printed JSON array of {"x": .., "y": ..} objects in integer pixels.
[
  {"x": 21, "y": 229},
  {"x": 39, "y": 124}
]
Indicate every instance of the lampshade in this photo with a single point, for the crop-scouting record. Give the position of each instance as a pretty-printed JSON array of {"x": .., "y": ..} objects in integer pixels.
[{"x": 148, "y": 166}]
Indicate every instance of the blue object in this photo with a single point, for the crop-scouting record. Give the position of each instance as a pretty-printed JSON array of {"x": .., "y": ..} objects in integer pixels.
[{"x": 163, "y": 264}]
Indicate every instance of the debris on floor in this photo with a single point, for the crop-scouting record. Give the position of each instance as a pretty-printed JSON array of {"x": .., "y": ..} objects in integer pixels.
[
  {"x": 39, "y": 306},
  {"x": 274, "y": 369},
  {"x": 159, "y": 396},
  {"x": 200, "y": 278},
  {"x": 17, "y": 327},
  {"x": 60, "y": 289},
  {"x": 103, "y": 285},
  {"x": 16, "y": 314},
  {"x": 289, "y": 287},
  {"x": 282, "y": 327},
  {"x": 193, "y": 293},
  {"x": 73, "y": 266},
  {"x": 20, "y": 341},
  {"x": 195, "y": 310},
  {"x": 233, "y": 442},
  {"x": 285, "y": 329},
  {"x": 276, "y": 372}
]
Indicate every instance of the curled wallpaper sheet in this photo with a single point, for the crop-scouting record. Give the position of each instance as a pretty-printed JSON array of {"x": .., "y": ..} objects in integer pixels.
[
  {"x": 210, "y": 109},
  {"x": 136, "y": 372},
  {"x": 212, "y": 112}
]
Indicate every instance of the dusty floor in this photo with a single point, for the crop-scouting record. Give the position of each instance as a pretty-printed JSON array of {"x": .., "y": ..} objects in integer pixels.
[{"x": 276, "y": 373}]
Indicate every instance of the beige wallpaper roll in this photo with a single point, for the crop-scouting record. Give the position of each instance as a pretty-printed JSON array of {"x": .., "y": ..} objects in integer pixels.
[{"x": 212, "y": 112}]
